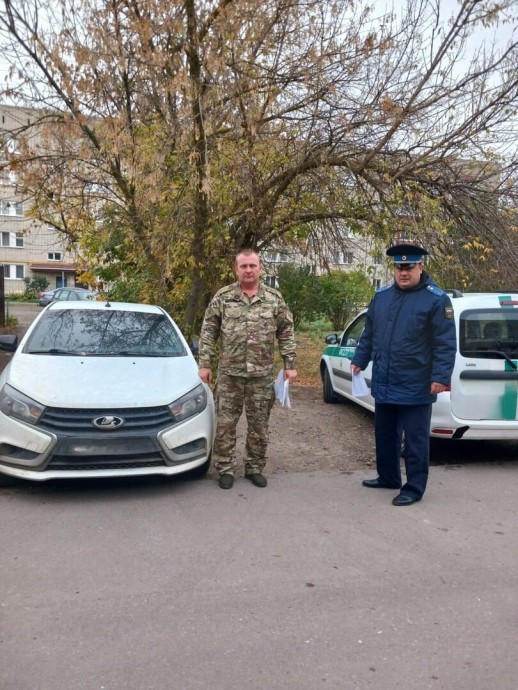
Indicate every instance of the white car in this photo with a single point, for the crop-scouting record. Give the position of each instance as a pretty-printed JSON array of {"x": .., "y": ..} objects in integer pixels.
[
  {"x": 482, "y": 400},
  {"x": 104, "y": 389}
]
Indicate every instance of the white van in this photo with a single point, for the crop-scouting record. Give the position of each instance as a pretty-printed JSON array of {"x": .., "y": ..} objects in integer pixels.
[{"x": 482, "y": 400}]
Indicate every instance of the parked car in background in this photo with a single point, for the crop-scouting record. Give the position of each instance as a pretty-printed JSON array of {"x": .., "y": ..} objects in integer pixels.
[
  {"x": 103, "y": 389},
  {"x": 45, "y": 297},
  {"x": 66, "y": 294},
  {"x": 71, "y": 294},
  {"x": 482, "y": 401}
]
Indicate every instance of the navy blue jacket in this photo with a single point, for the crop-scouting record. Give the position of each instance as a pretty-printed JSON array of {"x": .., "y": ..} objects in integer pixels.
[{"x": 410, "y": 337}]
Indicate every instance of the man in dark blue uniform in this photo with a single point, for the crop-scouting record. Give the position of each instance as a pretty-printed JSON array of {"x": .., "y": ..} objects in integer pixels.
[{"x": 410, "y": 337}]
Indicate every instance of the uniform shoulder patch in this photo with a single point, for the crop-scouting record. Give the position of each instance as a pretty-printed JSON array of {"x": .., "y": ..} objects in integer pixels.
[
  {"x": 435, "y": 289},
  {"x": 274, "y": 291},
  {"x": 448, "y": 312},
  {"x": 227, "y": 288}
]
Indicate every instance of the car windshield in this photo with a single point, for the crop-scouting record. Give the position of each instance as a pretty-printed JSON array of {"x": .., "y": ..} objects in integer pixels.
[{"x": 105, "y": 333}]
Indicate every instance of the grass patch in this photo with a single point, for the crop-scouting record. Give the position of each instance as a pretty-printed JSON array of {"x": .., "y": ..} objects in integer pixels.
[{"x": 310, "y": 339}]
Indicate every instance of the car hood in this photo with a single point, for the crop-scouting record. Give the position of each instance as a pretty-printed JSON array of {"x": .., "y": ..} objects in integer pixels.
[{"x": 99, "y": 382}]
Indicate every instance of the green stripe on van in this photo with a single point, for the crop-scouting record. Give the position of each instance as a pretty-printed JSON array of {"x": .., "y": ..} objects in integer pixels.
[
  {"x": 337, "y": 351},
  {"x": 510, "y": 397},
  {"x": 506, "y": 298}
]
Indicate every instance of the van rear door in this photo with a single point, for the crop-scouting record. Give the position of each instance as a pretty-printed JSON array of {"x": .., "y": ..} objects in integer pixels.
[{"x": 485, "y": 381}]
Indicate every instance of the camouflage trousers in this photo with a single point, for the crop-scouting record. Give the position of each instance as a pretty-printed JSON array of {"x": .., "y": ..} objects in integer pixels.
[{"x": 257, "y": 396}]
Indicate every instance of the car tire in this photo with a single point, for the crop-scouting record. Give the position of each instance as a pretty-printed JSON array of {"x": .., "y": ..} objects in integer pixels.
[
  {"x": 329, "y": 395},
  {"x": 6, "y": 481},
  {"x": 198, "y": 472}
]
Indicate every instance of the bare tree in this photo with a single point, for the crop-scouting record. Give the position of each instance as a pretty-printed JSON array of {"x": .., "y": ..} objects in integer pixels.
[{"x": 171, "y": 134}]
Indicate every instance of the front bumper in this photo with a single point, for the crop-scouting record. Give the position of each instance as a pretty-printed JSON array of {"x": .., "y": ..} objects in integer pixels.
[{"x": 31, "y": 452}]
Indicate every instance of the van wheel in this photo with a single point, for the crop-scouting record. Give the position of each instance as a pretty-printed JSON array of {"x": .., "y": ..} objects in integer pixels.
[{"x": 329, "y": 395}]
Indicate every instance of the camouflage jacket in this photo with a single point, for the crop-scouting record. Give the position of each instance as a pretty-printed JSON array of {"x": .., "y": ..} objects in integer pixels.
[{"x": 246, "y": 329}]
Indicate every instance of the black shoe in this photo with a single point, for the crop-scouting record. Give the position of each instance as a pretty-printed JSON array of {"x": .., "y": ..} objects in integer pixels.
[
  {"x": 226, "y": 481},
  {"x": 257, "y": 479},
  {"x": 404, "y": 500},
  {"x": 377, "y": 484}
]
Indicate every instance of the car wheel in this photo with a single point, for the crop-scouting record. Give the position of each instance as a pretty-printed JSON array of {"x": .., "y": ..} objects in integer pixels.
[
  {"x": 329, "y": 395},
  {"x": 198, "y": 472},
  {"x": 6, "y": 481}
]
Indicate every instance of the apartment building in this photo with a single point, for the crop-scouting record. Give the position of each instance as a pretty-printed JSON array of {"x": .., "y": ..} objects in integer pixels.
[
  {"x": 28, "y": 248},
  {"x": 322, "y": 253}
]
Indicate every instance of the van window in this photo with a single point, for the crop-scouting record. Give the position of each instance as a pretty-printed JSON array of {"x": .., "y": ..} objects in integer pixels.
[{"x": 489, "y": 333}]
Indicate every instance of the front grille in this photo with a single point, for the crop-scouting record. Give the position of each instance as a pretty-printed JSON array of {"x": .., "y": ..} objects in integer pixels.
[
  {"x": 140, "y": 419},
  {"x": 105, "y": 462}
]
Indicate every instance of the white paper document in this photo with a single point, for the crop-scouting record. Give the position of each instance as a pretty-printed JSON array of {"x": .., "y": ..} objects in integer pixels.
[
  {"x": 359, "y": 386},
  {"x": 282, "y": 390}
]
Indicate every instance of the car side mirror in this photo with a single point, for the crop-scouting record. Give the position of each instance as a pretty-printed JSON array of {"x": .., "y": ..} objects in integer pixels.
[
  {"x": 332, "y": 339},
  {"x": 195, "y": 346},
  {"x": 8, "y": 342}
]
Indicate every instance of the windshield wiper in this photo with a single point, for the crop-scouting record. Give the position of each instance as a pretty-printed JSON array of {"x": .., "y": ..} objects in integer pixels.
[
  {"x": 136, "y": 353},
  {"x": 492, "y": 352},
  {"x": 119, "y": 353},
  {"x": 55, "y": 351}
]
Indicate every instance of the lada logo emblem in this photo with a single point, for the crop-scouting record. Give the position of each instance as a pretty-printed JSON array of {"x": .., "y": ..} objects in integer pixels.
[{"x": 108, "y": 422}]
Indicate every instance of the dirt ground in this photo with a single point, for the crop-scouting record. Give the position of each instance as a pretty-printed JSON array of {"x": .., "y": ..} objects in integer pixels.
[{"x": 312, "y": 435}]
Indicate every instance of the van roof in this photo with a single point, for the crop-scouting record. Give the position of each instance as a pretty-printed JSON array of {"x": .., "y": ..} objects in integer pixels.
[
  {"x": 484, "y": 299},
  {"x": 459, "y": 293}
]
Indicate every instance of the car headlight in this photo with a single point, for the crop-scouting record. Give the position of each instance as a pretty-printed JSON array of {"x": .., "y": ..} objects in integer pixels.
[
  {"x": 190, "y": 404},
  {"x": 16, "y": 404}
]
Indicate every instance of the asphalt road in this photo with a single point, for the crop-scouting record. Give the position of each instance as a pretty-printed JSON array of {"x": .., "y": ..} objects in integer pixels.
[{"x": 312, "y": 583}]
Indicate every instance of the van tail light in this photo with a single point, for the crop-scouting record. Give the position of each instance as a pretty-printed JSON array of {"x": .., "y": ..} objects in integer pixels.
[{"x": 443, "y": 432}]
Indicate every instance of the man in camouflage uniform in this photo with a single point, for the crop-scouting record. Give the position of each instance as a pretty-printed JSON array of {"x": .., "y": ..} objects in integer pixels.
[{"x": 245, "y": 318}]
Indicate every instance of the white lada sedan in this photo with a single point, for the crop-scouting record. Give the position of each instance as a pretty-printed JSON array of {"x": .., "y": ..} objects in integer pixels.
[
  {"x": 482, "y": 401},
  {"x": 103, "y": 389}
]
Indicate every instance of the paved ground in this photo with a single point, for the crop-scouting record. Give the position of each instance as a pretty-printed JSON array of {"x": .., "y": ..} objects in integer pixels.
[{"x": 314, "y": 582}]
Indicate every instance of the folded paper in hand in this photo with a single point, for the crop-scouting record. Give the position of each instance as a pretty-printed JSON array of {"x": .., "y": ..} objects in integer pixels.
[
  {"x": 282, "y": 392},
  {"x": 360, "y": 388}
]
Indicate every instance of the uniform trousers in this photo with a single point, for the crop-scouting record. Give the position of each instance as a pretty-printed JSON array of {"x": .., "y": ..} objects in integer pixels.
[
  {"x": 391, "y": 421},
  {"x": 257, "y": 396}
]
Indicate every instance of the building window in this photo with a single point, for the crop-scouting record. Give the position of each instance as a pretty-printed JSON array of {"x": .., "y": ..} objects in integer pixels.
[
  {"x": 12, "y": 239},
  {"x": 8, "y": 177},
  {"x": 377, "y": 283},
  {"x": 9, "y": 142},
  {"x": 342, "y": 257},
  {"x": 271, "y": 281},
  {"x": 14, "y": 271},
  {"x": 276, "y": 257},
  {"x": 9, "y": 208},
  {"x": 54, "y": 256}
]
